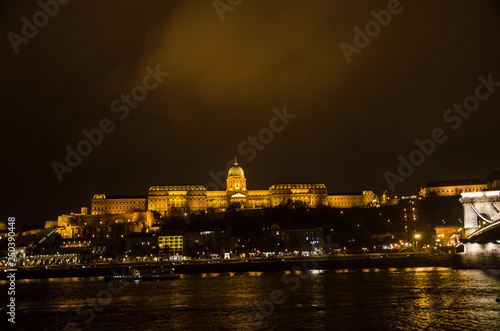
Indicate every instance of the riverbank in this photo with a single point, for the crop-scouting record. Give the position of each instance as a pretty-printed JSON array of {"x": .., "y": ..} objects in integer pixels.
[{"x": 242, "y": 265}]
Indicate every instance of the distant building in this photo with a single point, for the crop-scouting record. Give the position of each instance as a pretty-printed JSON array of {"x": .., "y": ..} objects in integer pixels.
[
  {"x": 108, "y": 226},
  {"x": 276, "y": 239},
  {"x": 352, "y": 200},
  {"x": 142, "y": 245},
  {"x": 448, "y": 235},
  {"x": 171, "y": 244},
  {"x": 102, "y": 205},
  {"x": 493, "y": 181},
  {"x": 453, "y": 187},
  {"x": 168, "y": 200}
]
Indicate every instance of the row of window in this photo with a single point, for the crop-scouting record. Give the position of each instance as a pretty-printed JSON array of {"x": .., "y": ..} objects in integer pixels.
[
  {"x": 337, "y": 199},
  {"x": 459, "y": 190},
  {"x": 175, "y": 188},
  {"x": 289, "y": 186},
  {"x": 116, "y": 208},
  {"x": 119, "y": 202}
]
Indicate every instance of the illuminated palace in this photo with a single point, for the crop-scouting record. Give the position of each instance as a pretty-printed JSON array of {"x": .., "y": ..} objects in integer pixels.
[
  {"x": 454, "y": 187},
  {"x": 168, "y": 200}
]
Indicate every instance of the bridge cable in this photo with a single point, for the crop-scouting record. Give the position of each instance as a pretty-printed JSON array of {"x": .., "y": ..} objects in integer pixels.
[
  {"x": 478, "y": 214},
  {"x": 496, "y": 208}
]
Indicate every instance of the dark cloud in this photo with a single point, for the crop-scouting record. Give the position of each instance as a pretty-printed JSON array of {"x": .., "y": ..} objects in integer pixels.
[{"x": 353, "y": 120}]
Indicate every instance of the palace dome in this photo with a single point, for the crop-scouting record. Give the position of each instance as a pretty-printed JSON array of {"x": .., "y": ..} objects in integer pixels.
[{"x": 236, "y": 170}]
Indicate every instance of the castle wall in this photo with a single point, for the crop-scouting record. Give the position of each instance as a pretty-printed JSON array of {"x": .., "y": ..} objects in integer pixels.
[{"x": 104, "y": 226}]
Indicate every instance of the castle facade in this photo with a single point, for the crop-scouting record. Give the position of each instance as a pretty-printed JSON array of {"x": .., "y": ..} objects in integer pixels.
[{"x": 168, "y": 200}]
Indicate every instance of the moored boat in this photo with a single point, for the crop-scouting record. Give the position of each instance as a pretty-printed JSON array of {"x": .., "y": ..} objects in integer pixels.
[{"x": 146, "y": 274}]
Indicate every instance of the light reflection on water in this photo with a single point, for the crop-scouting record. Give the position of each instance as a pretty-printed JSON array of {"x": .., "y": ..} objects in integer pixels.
[{"x": 375, "y": 299}]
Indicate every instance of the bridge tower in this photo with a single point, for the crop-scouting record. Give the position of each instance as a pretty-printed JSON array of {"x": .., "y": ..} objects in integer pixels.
[{"x": 480, "y": 209}]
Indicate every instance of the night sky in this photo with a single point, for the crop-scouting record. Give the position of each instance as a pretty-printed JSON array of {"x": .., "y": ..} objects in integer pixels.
[{"x": 350, "y": 121}]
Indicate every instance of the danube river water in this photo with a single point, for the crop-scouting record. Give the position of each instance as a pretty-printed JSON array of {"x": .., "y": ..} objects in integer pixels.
[{"x": 369, "y": 299}]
